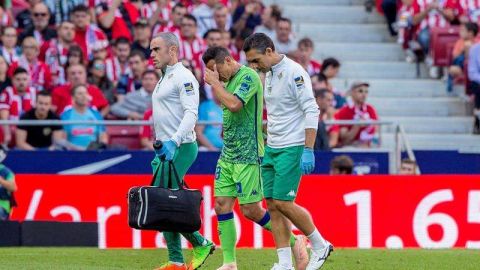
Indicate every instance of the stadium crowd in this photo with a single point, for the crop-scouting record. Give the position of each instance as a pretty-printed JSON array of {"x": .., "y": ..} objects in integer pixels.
[
  {"x": 443, "y": 34},
  {"x": 90, "y": 60}
]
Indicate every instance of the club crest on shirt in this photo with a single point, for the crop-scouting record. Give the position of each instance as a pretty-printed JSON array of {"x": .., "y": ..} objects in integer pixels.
[
  {"x": 189, "y": 89},
  {"x": 280, "y": 75},
  {"x": 299, "y": 82},
  {"x": 170, "y": 76},
  {"x": 248, "y": 78},
  {"x": 244, "y": 87}
]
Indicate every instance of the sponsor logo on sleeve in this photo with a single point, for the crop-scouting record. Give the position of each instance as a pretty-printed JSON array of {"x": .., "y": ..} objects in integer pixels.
[
  {"x": 299, "y": 82},
  {"x": 189, "y": 89}
]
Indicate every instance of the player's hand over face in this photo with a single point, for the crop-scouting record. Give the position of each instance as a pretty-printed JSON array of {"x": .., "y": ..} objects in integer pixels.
[
  {"x": 211, "y": 76},
  {"x": 307, "y": 163}
]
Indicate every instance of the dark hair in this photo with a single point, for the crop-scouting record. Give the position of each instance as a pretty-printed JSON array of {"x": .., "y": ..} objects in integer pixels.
[
  {"x": 44, "y": 93},
  {"x": 342, "y": 163},
  {"x": 283, "y": 19},
  {"x": 245, "y": 33},
  {"x": 276, "y": 12},
  {"x": 215, "y": 53},
  {"x": 330, "y": 62},
  {"x": 191, "y": 18},
  {"x": 80, "y": 8},
  {"x": 150, "y": 71},
  {"x": 75, "y": 49},
  {"x": 320, "y": 77},
  {"x": 306, "y": 42},
  {"x": 321, "y": 92},
  {"x": 19, "y": 70},
  {"x": 121, "y": 40},
  {"x": 74, "y": 89},
  {"x": 179, "y": 5},
  {"x": 137, "y": 53},
  {"x": 213, "y": 30},
  {"x": 259, "y": 42},
  {"x": 472, "y": 27}
]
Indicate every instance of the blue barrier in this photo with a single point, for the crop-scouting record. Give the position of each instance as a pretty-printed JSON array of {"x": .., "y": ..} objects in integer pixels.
[{"x": 138, "y": 162}]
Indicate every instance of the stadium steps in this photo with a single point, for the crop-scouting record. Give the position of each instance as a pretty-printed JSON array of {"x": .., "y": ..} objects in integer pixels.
[
  {"x": 435, "y": 141},
  {"x": 345, "y": 51},
  {"x": 425, "y": 125},
  {"x": 343, "y": 29},
  {"x": 331, "y": 14},
  {"x": 391, "y": 88}
]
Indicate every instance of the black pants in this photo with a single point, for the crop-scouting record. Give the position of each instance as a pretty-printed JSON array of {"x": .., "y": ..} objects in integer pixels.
[
  {"x": 389, "y": 8},
  {"x": 475, "y": 88}
]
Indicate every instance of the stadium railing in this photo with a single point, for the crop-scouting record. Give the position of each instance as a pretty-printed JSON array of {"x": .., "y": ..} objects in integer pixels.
[{"x": 401, "y": 140}]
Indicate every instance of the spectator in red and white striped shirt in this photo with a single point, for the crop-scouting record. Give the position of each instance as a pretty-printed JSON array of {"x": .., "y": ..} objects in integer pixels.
[
  {"x": 15, "y": 100},
  {"x": 431, "y": 13},
  {"x": 157, "y": 11},
  {"x": 191, "y": 46},
  {"x": 86, "y": 35},
  {"x": 116, "y": 17},
  {"x": 39, "y": 72},
  {"x": 117, "y": 65},
  {"x": 471, "y": 11},
  {"x": 305, "y": 51},
  {"x": 174, "y": 24},
  {"x": 55, "y": 52}
]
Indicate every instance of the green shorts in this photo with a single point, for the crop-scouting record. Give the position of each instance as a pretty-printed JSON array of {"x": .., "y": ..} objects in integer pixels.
[
  {"x": 183, "y": 160},
  {"x": 242, "y": 181},
  {"x": 281, "y": 172}
]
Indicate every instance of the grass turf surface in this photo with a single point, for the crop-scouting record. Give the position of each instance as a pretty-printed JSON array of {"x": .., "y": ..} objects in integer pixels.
[{"x": 91, "y": 258}]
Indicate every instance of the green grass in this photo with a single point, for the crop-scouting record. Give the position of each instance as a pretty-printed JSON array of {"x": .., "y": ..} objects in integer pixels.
[{"x": 91, "y": 258}]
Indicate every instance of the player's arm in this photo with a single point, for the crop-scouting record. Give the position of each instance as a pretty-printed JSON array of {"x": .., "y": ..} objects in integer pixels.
[
  {"x": 232, "y": 102},
  {"x": 9, "y": 185},
  {"x": 189, "y": 98}
]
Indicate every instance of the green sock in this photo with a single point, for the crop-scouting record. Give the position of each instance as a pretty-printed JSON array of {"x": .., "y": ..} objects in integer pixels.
[
  {"x": 174, "y": 246},
  {"x": 228, "y": 236},
  {"x": 196, "y": 239},
  {"x": 268, "y": 227}
]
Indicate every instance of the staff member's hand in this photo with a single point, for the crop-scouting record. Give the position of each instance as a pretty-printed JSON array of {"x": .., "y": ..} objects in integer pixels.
[
  {"x": 169, "y": 148},
  {"x": 307, "y": 163},
  {"x": 211, "y": 76}
]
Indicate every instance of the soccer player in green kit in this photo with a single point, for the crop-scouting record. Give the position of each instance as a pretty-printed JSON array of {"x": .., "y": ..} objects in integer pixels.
[
  {"x": 238, "y": 176},
  {"x": 175, "y": 110}
]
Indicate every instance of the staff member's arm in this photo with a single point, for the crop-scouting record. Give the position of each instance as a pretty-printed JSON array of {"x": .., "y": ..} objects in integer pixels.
[
  {"x": 306, "y": 101},
  {"x": 189, "y": 98}
]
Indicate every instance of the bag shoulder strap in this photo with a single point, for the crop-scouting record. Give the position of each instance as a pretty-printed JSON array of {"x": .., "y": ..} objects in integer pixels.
[
  {"x": 181, "y": 183},
  {"x": 156, "y": 173}
]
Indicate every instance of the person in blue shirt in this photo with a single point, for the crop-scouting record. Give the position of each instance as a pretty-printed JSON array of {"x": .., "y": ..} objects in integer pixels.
[
  {"x": 210, "y": 136},
  {"x": 81, "y": 136},
  {"x": 7, "y": 187}
]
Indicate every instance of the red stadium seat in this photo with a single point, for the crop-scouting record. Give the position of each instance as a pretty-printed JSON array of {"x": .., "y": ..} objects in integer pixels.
[
  {"x": 442, "y": 40},
  {"x": 127, "y": 136}
]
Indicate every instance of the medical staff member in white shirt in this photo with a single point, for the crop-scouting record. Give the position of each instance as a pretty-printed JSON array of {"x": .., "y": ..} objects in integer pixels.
[
  {"x": 292, "y": 120},
  {"x": 175, "y": 112}
]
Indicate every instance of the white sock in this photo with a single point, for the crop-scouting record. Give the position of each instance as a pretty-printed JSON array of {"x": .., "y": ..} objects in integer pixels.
[
  {"x": 177, "y": 263},
  {"x": 317, "y": 240},
  {"x": 285, "y": 257}
]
